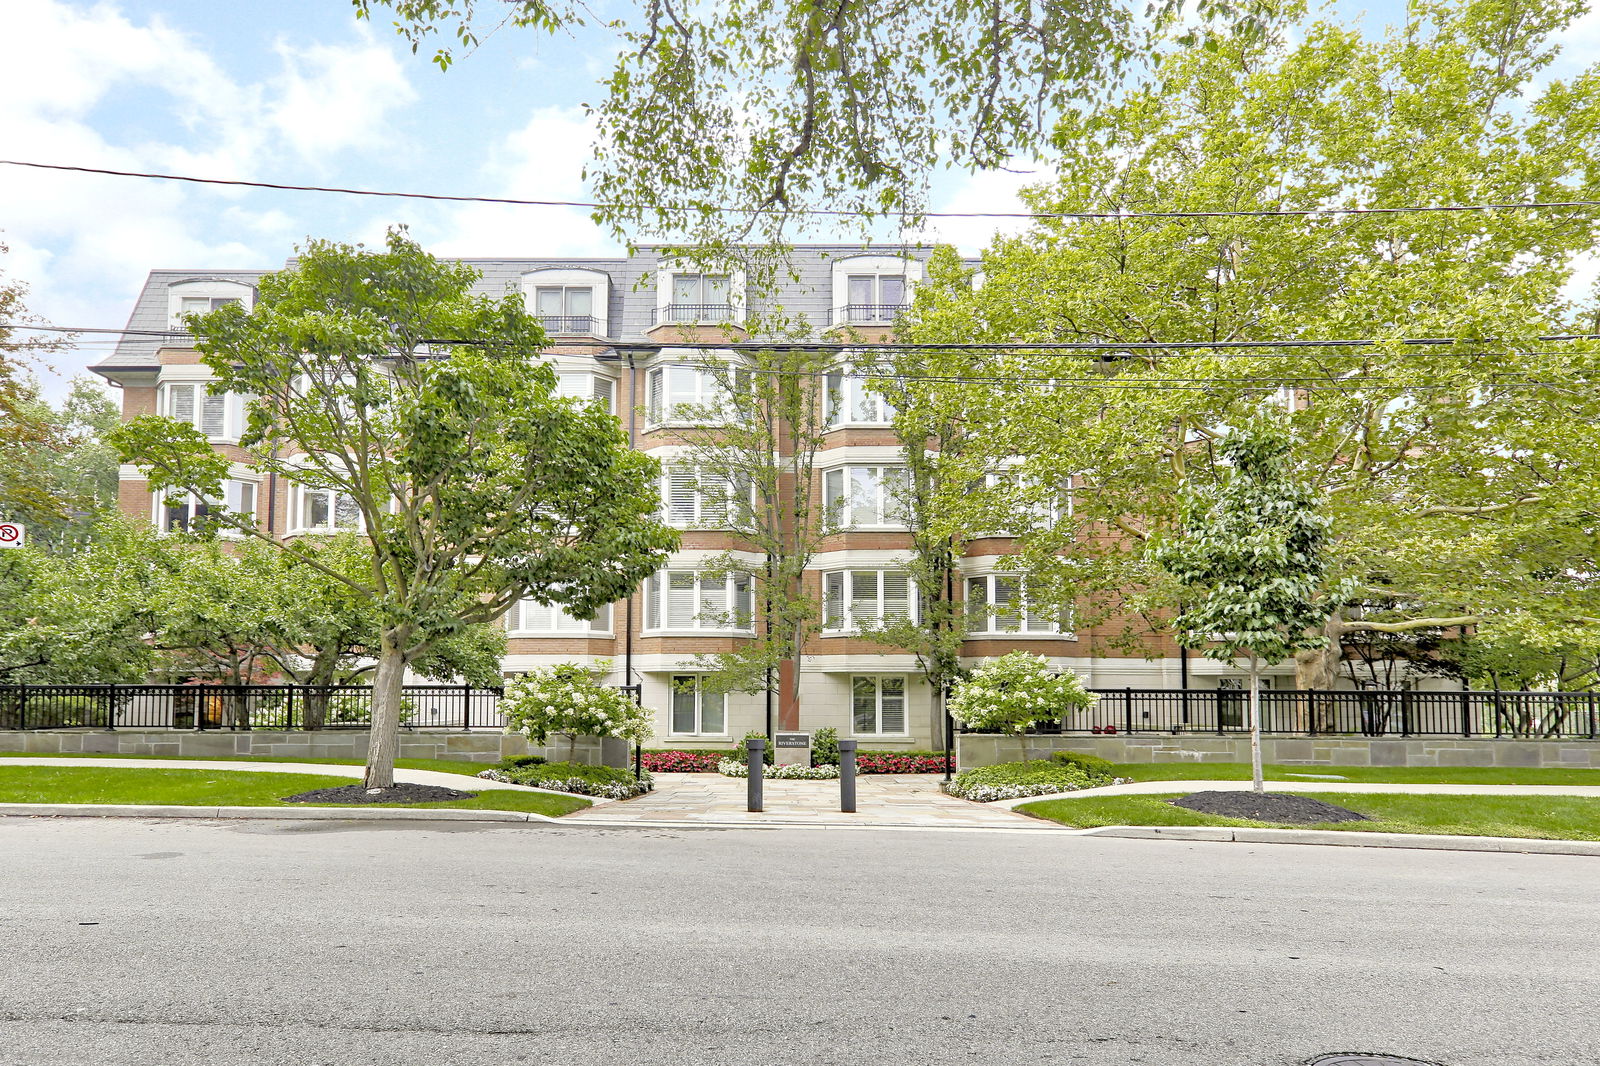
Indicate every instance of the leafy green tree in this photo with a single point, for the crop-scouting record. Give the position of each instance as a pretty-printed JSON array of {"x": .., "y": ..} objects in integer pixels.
[
  {"x": 1014, "y": 693},
  {"x": 379, "y": 376},
  {"x": 1252, "y": 557},
  {"x": 29, "y": 437},
  {"x": 1458, "y": 478}
]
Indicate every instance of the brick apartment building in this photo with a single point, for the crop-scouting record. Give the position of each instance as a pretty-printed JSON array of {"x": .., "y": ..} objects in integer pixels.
[{"x": 860, "y": 688}]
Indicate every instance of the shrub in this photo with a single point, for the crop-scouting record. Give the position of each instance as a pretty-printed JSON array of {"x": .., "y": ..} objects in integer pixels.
[
  {"x": 788, "y": 771},
  {"x": 1013, "y": 780},
  {"x": 741, "y": 753},
  {"x": 678, "y": 761},
  {"x": 568, "y": 698},
  {"x": 606, "y": 781},
  {"x": 900, "y": 762},
  {"x": 516, "y": 762},
  {"x": 1093, "y": 765},
  {"x": 825, "y": 747},
  {"x": 1015, "y": 692}
]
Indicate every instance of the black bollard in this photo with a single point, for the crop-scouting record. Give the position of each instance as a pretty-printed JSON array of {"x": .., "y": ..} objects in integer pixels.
[
  {"x": 755, "y": 750},
  {"x": 847, "y": 776}
]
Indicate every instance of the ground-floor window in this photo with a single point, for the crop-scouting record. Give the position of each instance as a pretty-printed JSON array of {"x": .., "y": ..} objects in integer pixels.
[
  {"x": 878, "y": 704},
  {"x": 695, "y": 710}
]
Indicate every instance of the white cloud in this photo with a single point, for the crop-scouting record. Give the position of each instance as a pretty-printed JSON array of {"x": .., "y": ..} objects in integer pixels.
[
  {"x": 991, "y": 192},
  {"x": 331, "y": 98},
  {"x": 543, "y": 160}
]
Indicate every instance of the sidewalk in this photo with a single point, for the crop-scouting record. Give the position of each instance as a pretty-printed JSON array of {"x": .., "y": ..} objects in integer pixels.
[{"x": 882, "y": 801}]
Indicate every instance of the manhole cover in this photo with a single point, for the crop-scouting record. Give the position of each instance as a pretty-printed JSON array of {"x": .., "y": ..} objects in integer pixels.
[{"x": 1367, "y": 1058}]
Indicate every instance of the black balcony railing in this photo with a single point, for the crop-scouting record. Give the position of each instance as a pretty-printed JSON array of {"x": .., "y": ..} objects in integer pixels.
[
  {"x": 692, "y": 313},
  {"x": 581, "y": 325},
  {"x": 867, "y": 314}
]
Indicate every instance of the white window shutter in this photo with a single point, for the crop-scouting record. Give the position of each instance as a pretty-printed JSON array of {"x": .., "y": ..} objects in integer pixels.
[
  {"x": 1007, "y": 604},
  {"x": 714, "y": 494},
  {"x": 978, "y": 604},
  {"x": 864, "y": 600},
  {"x": 833, "y": 496},
  {"x": 896, "y": 595},
  {"x": 654, "y": 390},
  {"x": 573, "y": 385},
  {"x": 180, "y": 403},
  {"x": 680, "y": 599},
  {"x": 214, "y": 415},
  {"x": 681, "y": 509},
  {"x": 652, "y": 601},
  {"x": 892, "y": 705},
  {"x": 601, "y": 393},
  {"x": 711, "y": 611},
  {"x": 833, "y": 600}
]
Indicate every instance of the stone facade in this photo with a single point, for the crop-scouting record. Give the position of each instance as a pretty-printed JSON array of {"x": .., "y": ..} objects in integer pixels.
[{"x": 984, "y": 749}]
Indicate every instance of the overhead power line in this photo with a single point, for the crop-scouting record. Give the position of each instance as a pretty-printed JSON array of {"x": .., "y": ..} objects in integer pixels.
[{"x": 1113, "y": 215}]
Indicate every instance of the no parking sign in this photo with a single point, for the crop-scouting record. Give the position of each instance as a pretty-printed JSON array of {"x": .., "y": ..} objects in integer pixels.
[{"x": 12, "y": 534}]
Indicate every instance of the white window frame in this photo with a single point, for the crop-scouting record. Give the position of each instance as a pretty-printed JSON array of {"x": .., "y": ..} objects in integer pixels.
[
  {"x": 857, "y": 265},
  {"x": 700, "y": 700},
  {"x": 843, "y": 590},
  {"x": 586, "y": 387},
  {"x": 298, "y": 507},
  {"x": 879, "y": 683},
  {"x": 667, "y": 273},
  {"x": 1029, "y": 622},
  {"x": 1057, "y": 509},
  {"x": 844, "y": 498},
  {"x": 685, "y": 503},
  {"x": 851, "y": 402},
  {"x": 193, "y": 403},
  {"x": 215, "y": 291},
  {"x": 598, "y": 282},
  {"x": 530, "y": 618},
  {"x": 663, "y": 408},
  {"x": 240, "y": 496},
  {"x": 715, "y": 610}
]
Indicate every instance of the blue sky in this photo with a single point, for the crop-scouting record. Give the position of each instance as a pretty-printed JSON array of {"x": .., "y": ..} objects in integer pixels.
[{"x": 298, "y": 91}]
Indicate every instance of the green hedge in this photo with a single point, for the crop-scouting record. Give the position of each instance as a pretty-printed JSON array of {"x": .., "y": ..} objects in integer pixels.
[
  {"x": 1014, "y": 780},
  {"x": 1093, "y": 765}
]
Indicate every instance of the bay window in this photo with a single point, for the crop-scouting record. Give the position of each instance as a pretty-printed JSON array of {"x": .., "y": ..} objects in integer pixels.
[
  {"x": 853, "y": 598},
  {"x": 857, "y": 497},
  {"x": 552, "y": 619},
  {"x": 691, "y": 601},
  {"x": 679, "y": 393},
  {"x": 185, "y": 512},
  {"x": 851, "y": 400},
  {"x": 217, "y": 416},
  {"x": 695, "y": 709},
  {"x": 878, "y": 704},
  {"x": 999, "y": 603},
  {"x": 695, "y": 498},
  {"x": 316, "y": 510},
  {"x": 584, "y": 387}
]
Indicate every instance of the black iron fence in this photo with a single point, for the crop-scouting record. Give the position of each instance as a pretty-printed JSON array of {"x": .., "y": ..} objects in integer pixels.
[
  {"x": 238, "y": 707},
  {"x": 1385, "y": 713},
  {"x": 1389, "y": 713}
]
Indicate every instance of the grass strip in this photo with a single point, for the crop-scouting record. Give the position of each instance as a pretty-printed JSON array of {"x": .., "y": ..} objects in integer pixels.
[
  {"x": 1383, "y": 775},
  {"x": 1537, "y": 817},
  {"x": 445, "y": 766},
  {"x": 227, "y": 788}
]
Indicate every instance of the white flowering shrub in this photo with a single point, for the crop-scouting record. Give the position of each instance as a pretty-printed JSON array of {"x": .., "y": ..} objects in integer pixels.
[
  {"x": 1016, "y": 692},
  {"x": 568, "y": 699},
  {"x": 782, "y": 772}
]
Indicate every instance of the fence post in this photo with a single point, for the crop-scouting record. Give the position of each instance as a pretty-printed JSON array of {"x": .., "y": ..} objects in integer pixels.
[
  {"x": 1466, "y": 714},
  {"x": 466, "y": 708},
  {"x": 1405, "y": 712},
  {"x": 288, "y": 716},
  {"x": 847, "y": 776},
  {"x": 1591, "y": 716},
  {"x": 22, "y": 707},
  {"x": 111, "y": 709},
  {"x": 243, "y": 696},
  {"x": 1311, "y": 712},
  {"x": 1127, "y": 710},
  {"x": 755, "y": 752}
]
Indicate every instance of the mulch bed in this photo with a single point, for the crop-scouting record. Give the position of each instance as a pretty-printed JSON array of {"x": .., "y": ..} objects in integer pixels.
[
  {"x": 400, "y": 793},
  {"x": 1267, "y": 807}
]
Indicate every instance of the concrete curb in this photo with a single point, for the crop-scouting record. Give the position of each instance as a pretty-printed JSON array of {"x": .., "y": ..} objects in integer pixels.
[
  {"x": 1335, "y": 838},
  {"x": 281, "y": 814}
]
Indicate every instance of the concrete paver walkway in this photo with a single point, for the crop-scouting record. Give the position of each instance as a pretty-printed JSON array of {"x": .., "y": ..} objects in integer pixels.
[{"x": 882, "y": 800}]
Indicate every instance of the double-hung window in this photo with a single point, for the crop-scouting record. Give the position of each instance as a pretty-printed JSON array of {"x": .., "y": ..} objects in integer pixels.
[
  {"x": 679, "y": 393},
  {"x": 695, "y": 498},
  {"x": 851, "y": 400},
  {"x": 191, "y": 403},
  {"x": 878, "y": 704},
  {"x": 687, "y": 600},
  {"x": 565, "y": 308},
  {"x": 853, "y": 598},
  {"x": 874, "y": 297},
  {"x": 185, "y": 512},
  {"x": 864, "y": 497},
  {"x": 204, "y": 305},
  {"x": 1020, "y": 503},
  {"x": 585, "y": 387},
  {"x": 700, "y": 298},
  {"x": 325, "y": 510},
  {"x": 695, "y": 710},
  {"x": 999, "y": 603},
  {"x": 552, "y": 619}
]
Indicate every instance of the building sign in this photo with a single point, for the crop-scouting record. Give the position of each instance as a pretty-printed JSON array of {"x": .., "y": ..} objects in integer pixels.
[
  {"x": 12, "y": 534},
  {"x": 793, "y": 740}
]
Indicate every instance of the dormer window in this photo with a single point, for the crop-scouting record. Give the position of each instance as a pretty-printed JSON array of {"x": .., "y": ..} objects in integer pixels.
[
  {"x": 566, "y": 309},
  {"x": 201, "y": 296},
  {"x": 204, "y": 305},
  {"x": 700, "y": 298},
  {"x": 874, "y": 297}
]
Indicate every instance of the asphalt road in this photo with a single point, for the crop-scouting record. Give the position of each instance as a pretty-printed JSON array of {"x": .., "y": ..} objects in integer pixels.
[{"x": 346, "y": 944}]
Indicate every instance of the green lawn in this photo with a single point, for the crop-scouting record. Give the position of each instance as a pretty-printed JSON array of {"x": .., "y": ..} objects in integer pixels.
[
  {"x": 447, "y": 766},
  {"x": 1392, "y": 775},
  {"x": 224, "y": 788},
  {"x": 1544, "y": 817}
]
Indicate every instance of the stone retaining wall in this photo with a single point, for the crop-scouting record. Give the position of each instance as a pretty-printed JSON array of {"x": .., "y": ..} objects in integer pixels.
[
  {"x": 982, "y": 750},
  {"x": 485, "y": 747}
]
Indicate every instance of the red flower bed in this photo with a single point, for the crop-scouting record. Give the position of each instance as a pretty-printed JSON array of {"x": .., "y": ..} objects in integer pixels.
[
  {"x": 682, "y": 762},
  {"x": 868, "y": 762}
]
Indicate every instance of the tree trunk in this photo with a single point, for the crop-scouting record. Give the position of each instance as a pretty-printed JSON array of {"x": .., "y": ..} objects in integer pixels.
[
  {"x": 323, "y": 669},
  {"x": 384, "y": 741},
  {"x": 572, "y": 747},
  {"x": 1255, "y": 724},
  {"x": 1316, "y": 669}
]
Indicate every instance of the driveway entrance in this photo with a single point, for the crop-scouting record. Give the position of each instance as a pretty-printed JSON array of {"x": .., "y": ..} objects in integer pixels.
[{"x": 882, "y": 800}]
